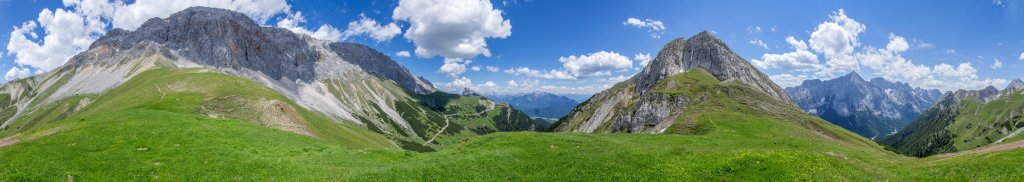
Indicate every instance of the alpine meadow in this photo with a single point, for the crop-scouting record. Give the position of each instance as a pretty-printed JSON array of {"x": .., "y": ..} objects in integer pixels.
[{"x": 442, "y": 90}]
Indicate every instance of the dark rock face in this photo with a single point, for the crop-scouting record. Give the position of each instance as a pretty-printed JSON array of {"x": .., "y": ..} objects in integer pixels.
[
  {"x": 651, "y": 110},
  {"x": 222, "y": 38},
  {"x": 705, "y": 51},
  {"x": 380, "y": 65},
  {"x": 225, "y": 39},
  {"x": 871, "y": 109},
  {"x": 988, "y": 94}
]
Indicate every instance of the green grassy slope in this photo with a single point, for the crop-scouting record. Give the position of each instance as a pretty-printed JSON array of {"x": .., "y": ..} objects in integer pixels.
[
  {"x": 199, "y": 91},
  {"x": 425, "y": 115},
  {"x": 731, "y": 139},
  {"x": 982, "y": 124},
  {"x": 959, "y": 126},
  {"x": 190, "y": 91},
  {"x": 143, "y": 144}
]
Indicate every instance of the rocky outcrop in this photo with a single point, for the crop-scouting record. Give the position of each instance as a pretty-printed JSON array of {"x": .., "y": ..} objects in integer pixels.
[
  {"x": 226, "y": 39},
  {"x": 381, "y": 65},
  {"x": 988, "y": 94},
  {"x": 1016, "y": 85},
  {"x": 633, "y": 105},
  {"x": 705, "y": 51},
  {"x": 872, "y": 109}
]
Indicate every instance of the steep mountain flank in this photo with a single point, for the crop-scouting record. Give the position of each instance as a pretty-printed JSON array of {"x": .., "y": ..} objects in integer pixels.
[
  {"x": 705, "y": 51},
  {"x": 964, "y": 120},
  {"x": 350, "y": 84},
  {"x": 689, "y": 80},
  {"x": 872, "y": 109}
]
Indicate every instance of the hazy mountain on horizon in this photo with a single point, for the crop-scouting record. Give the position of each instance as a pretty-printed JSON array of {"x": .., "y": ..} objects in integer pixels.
[
  {"x": 538, "y": 104},
  {"x": 872, "y": 109}
]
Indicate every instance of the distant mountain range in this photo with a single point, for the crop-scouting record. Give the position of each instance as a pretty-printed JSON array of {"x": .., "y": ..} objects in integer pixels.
[
  {"x": 539, "y": 104},
  {"x": 872, "y": 109},
  {"x": 965, "y": 120}
]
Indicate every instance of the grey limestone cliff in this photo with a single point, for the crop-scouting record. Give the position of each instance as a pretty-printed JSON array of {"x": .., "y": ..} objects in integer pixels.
[
  {"x": 226, "y": 39},
  {"x": 705, "y": 51},
  {"x": 632, "y": 106}
]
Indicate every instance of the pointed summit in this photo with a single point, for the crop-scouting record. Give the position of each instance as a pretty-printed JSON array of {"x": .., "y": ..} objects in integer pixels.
[
  {"x": 1016, "y": 84},
  {"x": 854, "y": 75},
  {"x": 704, "y": 50},
  {"x": 855, "y": 78},
  {"x": 990, "y": 93},
  {"x": 646, "y": 103}
]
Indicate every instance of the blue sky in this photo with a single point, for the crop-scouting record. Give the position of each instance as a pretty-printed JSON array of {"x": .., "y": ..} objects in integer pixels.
[{"x": 573, "y": 47}]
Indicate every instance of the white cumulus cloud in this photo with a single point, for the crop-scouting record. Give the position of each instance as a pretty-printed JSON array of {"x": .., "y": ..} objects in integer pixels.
[
  {"x": 452, "y": 28},
  {"x": 643, "y": 59},
  {"x": 67, "y": 34},
  {"x": 601, "y": 63},
  {"x": 836, "y": 39},
  {"x": 997, "y": 64},
  {"x": 801, "y": 59},
  {"x": 550, "y": 74},
  {"x": 493, "y": 68},
  {"x": 489, "y": 84},
  {"x": 325, "y": 32},
  {"x": 15, "y": 73},
  {"x": 595, "y": 64},
  {"x": 460, "y": 83},
  {"x": 403, "y": 54},
  {"x": 655, "y": 27},
  {"x": 964, "y": 71},
  {"x": 367, "y": 26},
  {"x": 454, "y": 66}
]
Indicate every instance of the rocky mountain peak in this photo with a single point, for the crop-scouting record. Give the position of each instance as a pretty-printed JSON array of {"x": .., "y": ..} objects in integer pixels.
[
  {"x": 1016, "y": 84},
  {"x": 988, "y": 94},
  {"x": 225, "y": 39},
  {"x": 871, "y": 109},
  {"x": 704, "y": 50},
  {"x": 853, "y": 76},
  {"x": 469, "y": 92}
]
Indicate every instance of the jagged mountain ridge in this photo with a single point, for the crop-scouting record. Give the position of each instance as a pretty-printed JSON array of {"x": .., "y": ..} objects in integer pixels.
[
  {"x": 872, "y": 109},
  {"x": 964, "y": 120},
  {"x": 224, "y": 39},
  {"x": 634, "y": 105},
  {"x": 349, "y": 83}
]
